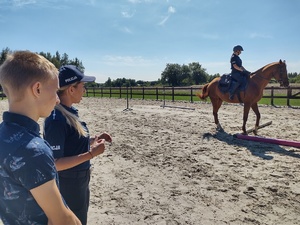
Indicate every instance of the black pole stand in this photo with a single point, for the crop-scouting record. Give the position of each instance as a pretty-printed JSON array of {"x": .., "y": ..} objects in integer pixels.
[{"x": 127, "y": 102}]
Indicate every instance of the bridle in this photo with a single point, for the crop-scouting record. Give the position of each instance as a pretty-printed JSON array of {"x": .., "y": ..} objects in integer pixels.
[{"x": 280, "y": 74}]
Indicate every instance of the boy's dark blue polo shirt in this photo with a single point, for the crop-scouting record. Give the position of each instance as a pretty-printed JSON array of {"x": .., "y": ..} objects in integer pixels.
[
  {"x": 64, "y": 139},
  {"x": 26, "y": 162}
]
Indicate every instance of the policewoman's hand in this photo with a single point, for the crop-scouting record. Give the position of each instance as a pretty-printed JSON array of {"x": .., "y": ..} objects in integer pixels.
[
  {"x": 105, "y": 136},
  {"x": 97, "y": 147}
]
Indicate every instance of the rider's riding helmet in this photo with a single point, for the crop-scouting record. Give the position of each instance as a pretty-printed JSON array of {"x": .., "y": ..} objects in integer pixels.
[{"x": 238, "y": 48}]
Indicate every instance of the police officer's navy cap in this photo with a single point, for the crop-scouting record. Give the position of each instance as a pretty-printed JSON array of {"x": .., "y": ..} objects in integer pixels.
[{"x": 70, "y": 74}]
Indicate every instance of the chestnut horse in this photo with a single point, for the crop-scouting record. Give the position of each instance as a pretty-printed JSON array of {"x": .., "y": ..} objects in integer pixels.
[{"x": 252, "y": 94}]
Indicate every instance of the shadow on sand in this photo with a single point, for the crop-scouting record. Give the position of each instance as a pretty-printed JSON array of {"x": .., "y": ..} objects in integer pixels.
[{"x": 258, "y": 149}]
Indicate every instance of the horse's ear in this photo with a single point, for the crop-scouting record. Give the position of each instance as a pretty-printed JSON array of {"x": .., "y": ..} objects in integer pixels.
[{"x": 280, "y": 61}]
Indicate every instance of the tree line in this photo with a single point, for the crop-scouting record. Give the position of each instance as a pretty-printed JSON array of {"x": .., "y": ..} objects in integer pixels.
[
  {"x": 173, "y": 75},
  {"x": 57, "y": 59}
]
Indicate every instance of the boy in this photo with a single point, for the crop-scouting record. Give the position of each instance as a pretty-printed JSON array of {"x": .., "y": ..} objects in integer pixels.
[{"x": 28, "y": 178}]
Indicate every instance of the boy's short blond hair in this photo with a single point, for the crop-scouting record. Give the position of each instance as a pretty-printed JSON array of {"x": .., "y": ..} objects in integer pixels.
[{"x": 23, "y": 68}]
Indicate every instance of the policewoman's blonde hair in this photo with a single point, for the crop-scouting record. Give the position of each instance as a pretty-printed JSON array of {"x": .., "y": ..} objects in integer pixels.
[{"x": 71, "y": 119}]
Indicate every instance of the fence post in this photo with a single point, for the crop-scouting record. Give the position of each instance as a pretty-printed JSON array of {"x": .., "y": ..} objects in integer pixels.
[
  {"x": 143, "y": 93},
  {"x": 110, "y": 92},
  {"x": 156, "y": 93},
  {"x": 101, "y": 90},
  {"x": 173, "y": 97},
  {"x": 130, "y": 92},
  {"x": 289, "y": 94},
  {"x": 272, "y": 95},
  {"x": 192, "y": 95}
]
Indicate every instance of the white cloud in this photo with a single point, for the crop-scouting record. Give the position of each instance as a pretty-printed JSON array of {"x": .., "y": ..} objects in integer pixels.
[
  {"x": 134, "y": 1},
  {"x": 91, "y": 2},
  {"x": 139, "y": 1},
  {"x": 127, "y": 14},
  {"x": 164, "y": 20},
  {"x": 124, "y": 60},
  {"x": 20, "y": 3},
  {"x": 127, "y": 30},
  {"x": 210, "y": 36},
  {"x": 263, "y": 36},
  {"x": 171, "y": 10}
]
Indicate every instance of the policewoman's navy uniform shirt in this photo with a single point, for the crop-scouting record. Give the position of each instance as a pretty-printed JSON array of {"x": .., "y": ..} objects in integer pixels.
[
  {"x": 26, "y": 162},
  {"x": 64, "y": 139},
  {"x": 235, "y": 59}
]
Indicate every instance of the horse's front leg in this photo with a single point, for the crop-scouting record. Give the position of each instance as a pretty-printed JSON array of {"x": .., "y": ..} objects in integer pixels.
[
  {"x": 245, "y": 116},
  {"x": 257, "y": 113}
]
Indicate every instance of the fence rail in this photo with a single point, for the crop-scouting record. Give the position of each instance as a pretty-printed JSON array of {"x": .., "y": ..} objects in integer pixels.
[
  {"x": 287, "y": 96},
  {"x": 290, "y": 94}
]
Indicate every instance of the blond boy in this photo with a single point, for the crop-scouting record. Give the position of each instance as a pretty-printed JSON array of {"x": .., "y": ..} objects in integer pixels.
[{"x": 29, "y": 191}]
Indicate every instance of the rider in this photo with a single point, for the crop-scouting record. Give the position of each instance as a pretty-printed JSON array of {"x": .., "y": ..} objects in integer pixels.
[{"x": 237, "y": 70}]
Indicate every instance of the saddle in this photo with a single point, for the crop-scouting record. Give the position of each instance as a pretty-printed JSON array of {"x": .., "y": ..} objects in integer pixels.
[{"x": 227, "y": 81}]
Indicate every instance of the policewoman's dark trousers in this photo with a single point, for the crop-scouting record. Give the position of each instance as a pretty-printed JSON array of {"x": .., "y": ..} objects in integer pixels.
[
  {"x": 74, "y": 187},
  {"x": 238, "y": 77}
]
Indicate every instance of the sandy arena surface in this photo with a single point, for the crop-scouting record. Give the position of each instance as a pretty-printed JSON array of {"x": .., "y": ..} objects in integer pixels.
[{"x": 170, "y": 166}]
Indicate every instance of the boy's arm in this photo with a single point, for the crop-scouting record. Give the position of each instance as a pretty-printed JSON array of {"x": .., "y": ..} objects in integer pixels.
[{"x": 49, "y": 199}]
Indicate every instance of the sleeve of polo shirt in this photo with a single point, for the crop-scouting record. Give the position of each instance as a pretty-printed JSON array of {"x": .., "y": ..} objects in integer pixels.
[
  {"x": 55, "y": 134},
  {"x": 33, "y": 164}
]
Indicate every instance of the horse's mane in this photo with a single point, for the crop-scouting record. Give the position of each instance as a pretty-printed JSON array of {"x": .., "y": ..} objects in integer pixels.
[{"x": 265, "y": 67}]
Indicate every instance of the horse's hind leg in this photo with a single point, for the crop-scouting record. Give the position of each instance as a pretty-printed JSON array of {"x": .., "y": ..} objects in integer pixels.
[
  {"x": 216, "y": 103},
  {"x": 254, "y": 107}
]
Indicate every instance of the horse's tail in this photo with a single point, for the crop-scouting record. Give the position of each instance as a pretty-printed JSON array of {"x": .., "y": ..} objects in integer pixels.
[{"x": 204, "y": 93}]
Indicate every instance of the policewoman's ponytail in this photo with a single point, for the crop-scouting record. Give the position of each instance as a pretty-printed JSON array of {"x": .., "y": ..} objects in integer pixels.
[{"x": 72, "y": 120}]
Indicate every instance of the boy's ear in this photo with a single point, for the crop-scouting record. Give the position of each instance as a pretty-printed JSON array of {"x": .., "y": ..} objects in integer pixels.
[{"x": 36, "y": 89}]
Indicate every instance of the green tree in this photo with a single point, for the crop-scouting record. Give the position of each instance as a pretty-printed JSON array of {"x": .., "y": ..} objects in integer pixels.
[
  {"x": 108, "y": 83},
  {"x": 211, "y": 77},
  {"x": 3, "y": 54},
  {"x": 171, "y": 75},
  {"x": 59, "y": 60},
  {"x": 294, "y": 77},
  {"x": 199, "y": 75},
  {"x": 176, "y": 75},
  {"x": 185, "y": 77}
]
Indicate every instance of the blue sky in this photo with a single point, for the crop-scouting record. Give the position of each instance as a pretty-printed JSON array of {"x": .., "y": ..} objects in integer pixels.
[{"x": 137, "y": 38}]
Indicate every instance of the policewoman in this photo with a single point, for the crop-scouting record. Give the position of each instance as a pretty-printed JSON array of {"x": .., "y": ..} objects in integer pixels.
[
  {"x": 70, "y": 141},
  {"x": 237, "y": 70}
]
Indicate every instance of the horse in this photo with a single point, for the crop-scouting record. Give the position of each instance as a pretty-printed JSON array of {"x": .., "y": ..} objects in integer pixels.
[{"x": 253, "y": 92}]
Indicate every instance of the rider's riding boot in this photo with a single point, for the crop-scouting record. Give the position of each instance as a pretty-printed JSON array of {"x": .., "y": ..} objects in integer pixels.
[{"x": 232, "y": 91}]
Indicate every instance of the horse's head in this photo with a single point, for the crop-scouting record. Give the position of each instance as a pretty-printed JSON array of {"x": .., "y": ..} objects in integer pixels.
[{"x": 280, "y": 74}]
